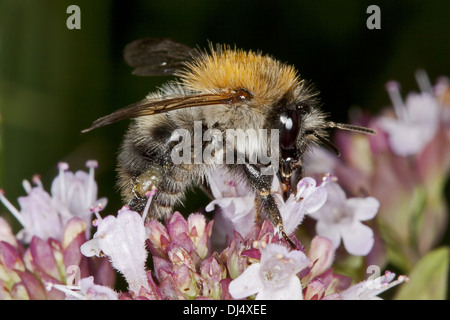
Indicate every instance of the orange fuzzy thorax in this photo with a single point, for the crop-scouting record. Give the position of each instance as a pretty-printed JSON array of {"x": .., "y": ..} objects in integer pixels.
[{"x": 224, "y": 69}]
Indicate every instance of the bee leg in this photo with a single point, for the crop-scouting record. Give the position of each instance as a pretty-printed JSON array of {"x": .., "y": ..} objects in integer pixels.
[
  {"x": 135, "y": 187},
  {"x": 170, "y": 191},
  {"x": 138, "y": 203},
  {"x": 170, "y": 187},
  {"x": 266, "y": 206}
]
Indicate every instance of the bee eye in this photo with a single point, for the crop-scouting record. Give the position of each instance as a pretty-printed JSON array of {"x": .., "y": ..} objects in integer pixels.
[{"x": 289, "y": 129}]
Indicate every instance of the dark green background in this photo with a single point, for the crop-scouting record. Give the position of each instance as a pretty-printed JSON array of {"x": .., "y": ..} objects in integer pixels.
[{"x": 54, "y": 82}]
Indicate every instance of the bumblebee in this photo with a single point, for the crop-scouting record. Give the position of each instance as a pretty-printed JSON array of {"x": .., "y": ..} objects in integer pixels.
[{"x": 223, "y": 88}]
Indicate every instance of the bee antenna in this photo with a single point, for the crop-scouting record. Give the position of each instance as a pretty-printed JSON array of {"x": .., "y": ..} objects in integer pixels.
[
  {"x": 327, "y": 143},
  {"x": 350, "y": 127}
]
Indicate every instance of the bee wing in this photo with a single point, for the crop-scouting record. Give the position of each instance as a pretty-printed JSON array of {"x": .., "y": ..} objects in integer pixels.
[
  {"x": 157, "y": 56},
  {"x": 148, "y": 107}
]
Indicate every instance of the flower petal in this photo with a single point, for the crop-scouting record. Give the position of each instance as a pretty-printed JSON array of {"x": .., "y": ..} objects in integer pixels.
[
  {"x": 177, "y": 225},
  {"x": 43, "y": 257},
  {"x": 330, "y": 232},
  {"x": 10, "y": 257},
  {"x": 321, "y": 254},
  {"x": 247, "y": 284},
  {"x": 363, "y": 208},
  {"x": 123, "y": 240},
  {"x": 308, "y": 199},
  {"x": 6, "y": 233},
  {"x": 73, "y": 228},
  {"x": 41, "y": 217},
  {"x": 358, "y": 239},
  {"x": 315, "y": 290},
  {"x": 91, "y": 248},
  {"x": 33, "y": 286},
  {"x": 291, "y": 291},
  {"x": 315, "y": 200},
  {"x": 94, "y": 291}
]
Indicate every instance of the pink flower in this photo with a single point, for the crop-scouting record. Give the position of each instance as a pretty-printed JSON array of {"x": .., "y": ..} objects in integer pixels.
[
  {"x": 213, "y": 272},
  {"x": 417, "y": 119},
  {"x": 321, "y": 253},
  {"x": 192, "y": 235},
  {"x": 259, "y": 265},
  {"x": 45, "y": 215},
  {"x": 180, "y": 257},
  {"x": 36, "y": 271}
]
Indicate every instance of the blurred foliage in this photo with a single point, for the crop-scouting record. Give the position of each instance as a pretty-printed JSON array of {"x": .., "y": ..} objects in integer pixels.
[
  {"x": 430, "y": 272},
  {"x": 54, "y": 81}
]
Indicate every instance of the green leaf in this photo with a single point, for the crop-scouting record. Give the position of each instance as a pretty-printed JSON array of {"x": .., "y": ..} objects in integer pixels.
[{"x": 428, "y": 279}]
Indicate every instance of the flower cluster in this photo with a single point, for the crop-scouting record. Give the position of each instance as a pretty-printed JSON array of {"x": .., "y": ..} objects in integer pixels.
[
  {"x": 46, "y": 253},
  {"x": 46, "y": 214},
  {"x": 405, "y": 166},
  {"x": 381, "y": 203},
  {"x": 259, "y": 265}
]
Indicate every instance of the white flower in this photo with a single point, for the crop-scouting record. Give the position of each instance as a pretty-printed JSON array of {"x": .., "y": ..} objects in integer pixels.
[
  {"x": 308, "y": 199},
  {"x": 122, "y": 239},
  {"x": 37, "y": 216},
  {"x": 370, "y": 289},
  {"x": 236, "y": 202},
  {"x": 274, "y": 278},
  {"x": 76, "y": 193},
  {"x": 417, "y": 120},
  {"x": 340, "y": 218}
]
